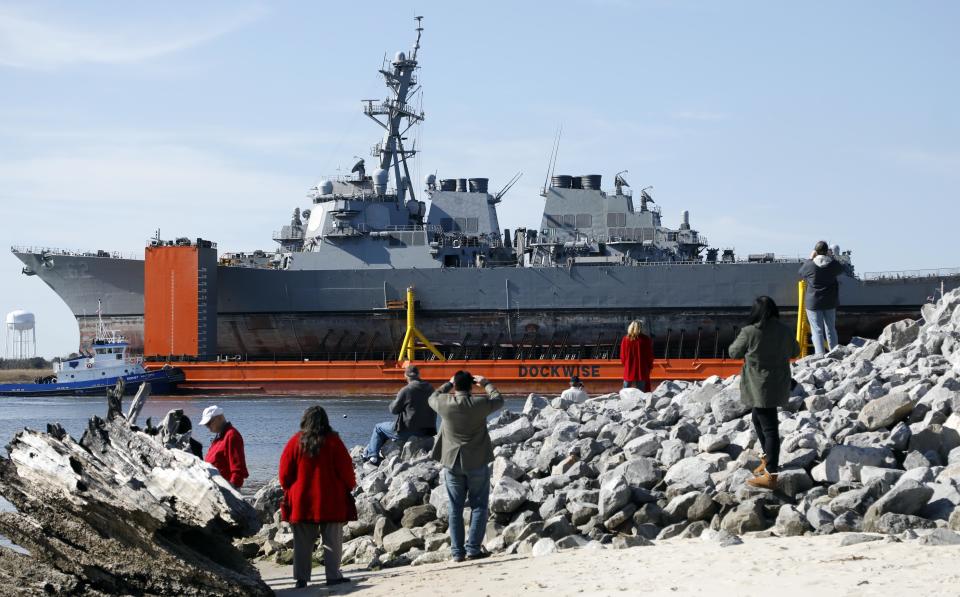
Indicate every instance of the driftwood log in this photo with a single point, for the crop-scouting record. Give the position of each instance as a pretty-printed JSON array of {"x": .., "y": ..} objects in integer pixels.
[{"x": 119, "y": 513}]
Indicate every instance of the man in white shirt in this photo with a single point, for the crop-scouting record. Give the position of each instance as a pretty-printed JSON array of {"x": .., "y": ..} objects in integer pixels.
[{"x": 575, "y": 393}]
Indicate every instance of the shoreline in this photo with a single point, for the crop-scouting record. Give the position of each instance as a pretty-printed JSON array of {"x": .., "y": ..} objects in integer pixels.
[{"x": 785, "y": 566}]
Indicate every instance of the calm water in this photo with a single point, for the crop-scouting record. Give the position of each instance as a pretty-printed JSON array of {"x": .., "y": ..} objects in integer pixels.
[{"x": 266, "y": 423}]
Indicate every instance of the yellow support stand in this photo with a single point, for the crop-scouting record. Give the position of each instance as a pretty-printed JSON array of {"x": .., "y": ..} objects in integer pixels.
[
  {"x": 803, "y": 326},
  {"x": 408, "y": 347}
]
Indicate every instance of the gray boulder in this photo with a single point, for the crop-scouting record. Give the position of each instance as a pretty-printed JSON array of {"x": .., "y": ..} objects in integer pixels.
[
  {"x": 676, "y": 509},
  {"x": 746, "y": 517},
  {"x": 854, "y": 500},
  {"x": 504, "y": 467},
  {"x": 702, "y": 508},
  {"x": 793, "y": 481},
  {"x": 940, "y": 537},
  {"x": 645, "y": 445},
  {"x": 790, "y": 522},
  {"x": 640, "y": 472},
  {"x": 694, "y": 472},
  {"x": 534, "y": 403},
  {"x": 907, "y": 497},
  {"x": 507, "y": 496},
  {"x": 512, "y": 433},
  {"x": 842, "y": 455},
  {"x": 614, "y": 494},
  {"x": 895, "y": 524},
  {"x": 267, "y": 500},
  {"x": 723, "y": 538},
  {"x": 727, "y": 406},
  {"x": 544, "y": 546},
  {"x": 899, "y": 334},
  {"x": 417, "y": 516},
  {"x": 628, "y": 541},
  {"x": 885, "y": 411},
  {"x": 858, "y": 538},
  {"x": 401, "y": 541},
  {"x": 713, "y": 442},
  {"x": 819, "y": 518}
]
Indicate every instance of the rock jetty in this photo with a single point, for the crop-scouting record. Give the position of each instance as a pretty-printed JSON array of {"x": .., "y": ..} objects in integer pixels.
[{"x": 871, "y": 448}]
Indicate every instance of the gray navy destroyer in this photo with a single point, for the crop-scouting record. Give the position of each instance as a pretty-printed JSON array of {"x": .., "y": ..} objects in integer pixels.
[{"x": 564, "y": 289}]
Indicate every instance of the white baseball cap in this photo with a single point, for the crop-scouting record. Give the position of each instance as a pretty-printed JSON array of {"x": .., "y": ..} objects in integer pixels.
[{"x": 209, "y": 413}]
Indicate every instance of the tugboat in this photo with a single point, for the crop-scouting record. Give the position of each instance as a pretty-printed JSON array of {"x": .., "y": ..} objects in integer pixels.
[{"x": 98, "y": 371}]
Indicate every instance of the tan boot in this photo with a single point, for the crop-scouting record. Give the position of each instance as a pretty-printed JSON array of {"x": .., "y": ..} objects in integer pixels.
[
  {"x": 762, "y": 468},
  {"x": 764, "y": 481}
]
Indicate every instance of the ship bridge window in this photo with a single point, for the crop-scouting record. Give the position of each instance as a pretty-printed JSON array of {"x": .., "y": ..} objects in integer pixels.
[
  {"x": 446, "y": 224},
  {"x": 119, "y": 356},
  {"x": 473, "y": 225},
  {"x": 672, "y": 237},
  {"x": 584, "y": 221},
  {"x": 569, "y": 220},
  {"x": 615, "y": 220},
  {"x": 553, "y": 221},
  {"x": 646, "y": 234}
]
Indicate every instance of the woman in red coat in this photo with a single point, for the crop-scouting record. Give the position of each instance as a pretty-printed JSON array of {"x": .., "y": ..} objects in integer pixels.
[
  {"x": 636, "y": 355},
  {"x": 316, "y": 474}
]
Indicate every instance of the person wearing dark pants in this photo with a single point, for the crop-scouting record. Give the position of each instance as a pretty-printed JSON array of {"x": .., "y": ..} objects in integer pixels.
[
  {"x": 767, "y": 426},
  {"x": 316, "y": 474},
  {"x": 766, "y": 346},
  {"x": 464, "y": 449},
  {"x": 415, "y": 418},
  {"x": 305, "y": 535}
]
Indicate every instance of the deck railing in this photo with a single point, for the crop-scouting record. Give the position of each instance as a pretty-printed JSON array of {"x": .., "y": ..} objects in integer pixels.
[
  {"x": 911, "y": 274},
  {"x": 71, "y": 253}
]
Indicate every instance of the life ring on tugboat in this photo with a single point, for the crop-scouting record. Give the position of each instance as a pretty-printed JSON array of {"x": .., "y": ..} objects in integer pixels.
[{"x": 89, "y": 365}]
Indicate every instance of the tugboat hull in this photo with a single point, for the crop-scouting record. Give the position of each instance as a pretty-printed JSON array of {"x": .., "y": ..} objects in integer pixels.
[{"x": 162, "y": 381}]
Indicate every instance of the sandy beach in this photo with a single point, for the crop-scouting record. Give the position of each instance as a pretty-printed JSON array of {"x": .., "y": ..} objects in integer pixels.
[{"x": 782, "y": 567}]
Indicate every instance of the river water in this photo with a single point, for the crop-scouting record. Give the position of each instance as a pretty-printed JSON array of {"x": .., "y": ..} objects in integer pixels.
[{"x": 266, "y": 423}]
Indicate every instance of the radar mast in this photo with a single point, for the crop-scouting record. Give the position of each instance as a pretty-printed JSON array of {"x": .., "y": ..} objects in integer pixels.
[{"x": 396, "y": 116}]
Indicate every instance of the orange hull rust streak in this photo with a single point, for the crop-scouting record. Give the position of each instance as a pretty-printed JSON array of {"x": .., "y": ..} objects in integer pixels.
[{"x": 372, "y": 378}]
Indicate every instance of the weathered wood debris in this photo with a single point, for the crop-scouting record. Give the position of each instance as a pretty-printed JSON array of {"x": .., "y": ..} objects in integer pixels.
[{"x": 120, "y": 513}]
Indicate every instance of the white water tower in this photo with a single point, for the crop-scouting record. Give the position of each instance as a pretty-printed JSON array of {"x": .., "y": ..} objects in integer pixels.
[{"x": 21, "y": 336}]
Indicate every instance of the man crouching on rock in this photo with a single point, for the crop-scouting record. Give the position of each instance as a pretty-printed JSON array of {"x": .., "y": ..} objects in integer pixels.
[{"x": 463, "y": 448}]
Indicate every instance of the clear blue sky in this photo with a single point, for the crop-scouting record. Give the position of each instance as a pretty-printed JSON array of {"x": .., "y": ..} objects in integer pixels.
[{"x": 775, "y": 124}]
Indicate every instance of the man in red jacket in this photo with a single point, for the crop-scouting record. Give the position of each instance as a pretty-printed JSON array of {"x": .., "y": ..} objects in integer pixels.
[{"x": 226, "y": 449}]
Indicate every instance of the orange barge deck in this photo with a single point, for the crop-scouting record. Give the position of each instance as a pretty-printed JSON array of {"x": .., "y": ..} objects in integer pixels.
[{"x": 378, "y": 378}]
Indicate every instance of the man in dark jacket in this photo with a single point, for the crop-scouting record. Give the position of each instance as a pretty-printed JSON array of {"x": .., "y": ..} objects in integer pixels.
[
  {"x": 822, "y": 295},
  {"x": 415, "y": 418}
]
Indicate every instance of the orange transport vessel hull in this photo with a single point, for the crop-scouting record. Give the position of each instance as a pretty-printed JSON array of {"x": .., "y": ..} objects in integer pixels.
[{"x": 377, "y": 378}]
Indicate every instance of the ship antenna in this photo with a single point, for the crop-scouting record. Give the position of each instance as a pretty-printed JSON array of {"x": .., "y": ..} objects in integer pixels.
[
  {"x": 416, "y": 45},
  {"x": 507, "y": 187},
  {"x": 551, "y": 163},
  {"x": 101, "y": 330}
]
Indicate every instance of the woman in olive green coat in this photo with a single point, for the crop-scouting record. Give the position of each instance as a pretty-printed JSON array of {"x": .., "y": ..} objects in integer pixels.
[{"x": 766, "y": 346}]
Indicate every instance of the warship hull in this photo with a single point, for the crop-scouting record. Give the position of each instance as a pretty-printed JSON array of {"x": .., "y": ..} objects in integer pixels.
[{"x": 692, "y": 310}]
